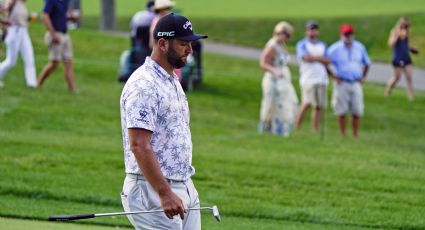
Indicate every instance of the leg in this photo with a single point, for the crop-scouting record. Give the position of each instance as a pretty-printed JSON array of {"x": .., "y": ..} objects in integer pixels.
[
  {"x": 409, "y": 80},
  {"x": 341, "y": 123},
  {"x": 192, "y": 219},
  {"x": 393, "y": 81},
  {"x": 69, "y": 75},
  {"x": 356, "y": 124},
  {"x": 301, "y": 114},
  {"x": 47, "y": 70},
  {"x": 27, "y": 53},
  {"x": 12, "y": 49},
  {"x": 316, "y": 119}
]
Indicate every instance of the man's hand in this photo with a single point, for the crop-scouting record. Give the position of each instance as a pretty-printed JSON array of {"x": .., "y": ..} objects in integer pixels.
[
  {"x": 337, "y": 79},
  {"x": 362, "y": 80},
  {"x": 171, "y": 204},
  {"x": 55, "y": 38}
]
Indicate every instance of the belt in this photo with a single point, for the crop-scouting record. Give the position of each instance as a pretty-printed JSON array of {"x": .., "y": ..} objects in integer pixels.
[
  {"x": 141, "y": 177},
  {"x": 349, "y": 81}
]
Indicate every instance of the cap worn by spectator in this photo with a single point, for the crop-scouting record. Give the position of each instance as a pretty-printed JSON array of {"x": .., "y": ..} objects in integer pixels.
[
  {"x": 149, "y": 4},
  {"x": 311, "y": 25},
  {"x": 163, "y": 4},
  {"x": 346, "y": 29},
  {"x": 174, "y": 26}
]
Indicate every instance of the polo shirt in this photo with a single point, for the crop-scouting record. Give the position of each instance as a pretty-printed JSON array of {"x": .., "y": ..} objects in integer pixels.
[
  {"x": 154, "y": 100},
  {"x": 57, "y": 10},
  {"x": 348, "y": 61},
  {"x": 311, "y": 73}
]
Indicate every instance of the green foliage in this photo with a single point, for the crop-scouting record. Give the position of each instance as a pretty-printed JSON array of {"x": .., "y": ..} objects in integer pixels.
[{"x": 62, "y": 153}]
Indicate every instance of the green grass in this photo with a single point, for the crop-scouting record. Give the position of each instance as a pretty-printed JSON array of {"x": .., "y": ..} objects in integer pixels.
[
  {"x": 265, "y": 9},
  {"x": 251, "y": 23},
  {"x": 62, "y": 153}
]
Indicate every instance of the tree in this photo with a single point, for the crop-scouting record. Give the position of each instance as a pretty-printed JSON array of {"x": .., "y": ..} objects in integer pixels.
[{"x": 107, "y": 16}]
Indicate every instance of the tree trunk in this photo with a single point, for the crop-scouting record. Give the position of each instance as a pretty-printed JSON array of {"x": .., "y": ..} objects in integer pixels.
[{"x": 107, "y": 16}]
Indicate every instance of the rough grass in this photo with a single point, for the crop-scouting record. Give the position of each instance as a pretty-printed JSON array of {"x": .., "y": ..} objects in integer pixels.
[{"x": 62, "y": 153}]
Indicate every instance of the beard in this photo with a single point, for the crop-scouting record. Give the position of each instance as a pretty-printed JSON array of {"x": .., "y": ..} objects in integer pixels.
[{"x": 174, "y": 59}]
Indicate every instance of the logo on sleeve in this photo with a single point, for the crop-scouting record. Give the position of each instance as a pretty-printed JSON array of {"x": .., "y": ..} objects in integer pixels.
[{"x": 143, "y": 115}]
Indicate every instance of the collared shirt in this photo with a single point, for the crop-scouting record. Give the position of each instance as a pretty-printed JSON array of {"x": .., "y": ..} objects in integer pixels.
[
  {"x": 348, "y": 61},
  {"x": 155, "y": 101},
  {"x": 57, "y": 10},
  {"x": 311, "y": 73}
]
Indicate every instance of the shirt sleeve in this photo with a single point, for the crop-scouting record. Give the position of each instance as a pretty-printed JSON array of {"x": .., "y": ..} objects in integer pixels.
[
  {"x": 141, "y": 107},
  {"x": 301, "y": 50},
  {"x": 48, "y": 6},
  {"x": 365, "y": 57}
]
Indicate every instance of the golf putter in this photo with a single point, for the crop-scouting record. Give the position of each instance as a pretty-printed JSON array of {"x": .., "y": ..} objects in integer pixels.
[{"x": 213, "y": 209}]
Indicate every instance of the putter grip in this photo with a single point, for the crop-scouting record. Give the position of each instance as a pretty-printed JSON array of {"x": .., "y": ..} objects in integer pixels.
[{"x": 75, "y": 217}]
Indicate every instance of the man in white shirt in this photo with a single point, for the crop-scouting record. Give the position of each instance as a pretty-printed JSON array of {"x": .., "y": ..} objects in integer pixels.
[
  {"x": 156, "y": 134},
  {"x": 311, "y": 53}
]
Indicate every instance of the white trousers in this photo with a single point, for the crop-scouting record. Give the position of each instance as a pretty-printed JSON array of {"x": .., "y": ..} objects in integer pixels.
[
  {"x": 18, "y": 41},
  {"x": 138, "y": 195},
  {"x": 279, "y": 104}
]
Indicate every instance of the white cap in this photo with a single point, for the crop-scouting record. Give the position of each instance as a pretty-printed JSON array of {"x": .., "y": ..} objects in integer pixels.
[{"x": 163, "y": 4}]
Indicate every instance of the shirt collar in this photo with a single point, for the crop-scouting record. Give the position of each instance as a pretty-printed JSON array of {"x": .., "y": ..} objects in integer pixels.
[{"x": 159, "y": 70}]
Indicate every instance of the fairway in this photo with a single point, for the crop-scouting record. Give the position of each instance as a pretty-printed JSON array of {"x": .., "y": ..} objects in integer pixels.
[
  {"x": 266, "y": 8},
  {"x": 61, "y": 153}
]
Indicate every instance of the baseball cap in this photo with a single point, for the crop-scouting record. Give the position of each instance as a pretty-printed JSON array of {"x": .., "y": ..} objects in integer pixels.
[
  {"x": 149, "y": 4},
  {"x": 346, "y": 29},
  {"x": 311, "y": 25},
  {"x": 173, "y": 26},
  {"x": 163, "y": 4}
]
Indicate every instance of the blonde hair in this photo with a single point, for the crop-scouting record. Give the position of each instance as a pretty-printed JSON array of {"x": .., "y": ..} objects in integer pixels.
[
  {"x": 283, "y": 27},
  {"x": 400, "y": 21}
]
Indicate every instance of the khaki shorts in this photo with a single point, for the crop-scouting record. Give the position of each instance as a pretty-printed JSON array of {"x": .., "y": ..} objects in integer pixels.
[
  {"x": 314, "y": 95},
  {"x": 348, "y": 98},
  {"x": 59, "y": 51}
]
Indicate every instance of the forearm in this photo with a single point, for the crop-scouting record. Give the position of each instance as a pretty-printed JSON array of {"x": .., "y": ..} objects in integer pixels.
[
  {"x": 365, "y": 71},
  {"x": 48, "y": 22},
  {"x": 322, "y": 59}
]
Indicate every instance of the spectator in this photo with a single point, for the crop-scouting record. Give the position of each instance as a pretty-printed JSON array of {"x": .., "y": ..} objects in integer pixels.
[
  {"x": 279, "y": 103},
  {"x": 311, "y": 53},
  {"x": 351, "y": 63},
  {"x": 56, "y": 13},
  {"x": 402, "y": 62},
  {"x": 18, "y": 41}
]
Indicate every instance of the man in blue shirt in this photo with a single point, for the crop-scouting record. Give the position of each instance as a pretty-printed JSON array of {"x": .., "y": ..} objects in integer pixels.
[
  {"x": 351, "y": 63},
  {"x": 56, "y": 13}
]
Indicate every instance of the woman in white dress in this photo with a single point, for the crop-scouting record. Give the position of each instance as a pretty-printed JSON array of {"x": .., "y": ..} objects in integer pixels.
[{"x": 279, "y": 103}]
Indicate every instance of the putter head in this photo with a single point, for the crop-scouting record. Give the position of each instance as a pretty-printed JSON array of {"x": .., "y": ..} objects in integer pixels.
[{"x": 216, "y": 213}]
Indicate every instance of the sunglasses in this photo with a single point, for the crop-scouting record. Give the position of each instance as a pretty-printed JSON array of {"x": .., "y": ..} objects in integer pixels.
[
  {"x": 348, "y": 34},
  {"x": 288, "y": 35}
]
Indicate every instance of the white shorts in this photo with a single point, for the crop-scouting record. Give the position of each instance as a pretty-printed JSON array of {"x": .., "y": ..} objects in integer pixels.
[
  {"x": 348, "y": 98},
  {"x": 138, "y": 195},
  {"x": 314, "y": 95}
]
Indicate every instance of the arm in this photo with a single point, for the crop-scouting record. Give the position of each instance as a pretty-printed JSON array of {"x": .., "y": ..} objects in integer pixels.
[
  {"x": 393, "y": 37},
  {"x": 322, "y": 59},
  {"x": 146, "y": 159},
  {"x": 365, "y": 71},
  {"x": 50, "y": 28},
  {"x": 266, "y": 60}
]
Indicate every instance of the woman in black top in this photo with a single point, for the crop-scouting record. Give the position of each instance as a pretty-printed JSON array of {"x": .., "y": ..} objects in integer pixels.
[{"x": 402, "y": 62}]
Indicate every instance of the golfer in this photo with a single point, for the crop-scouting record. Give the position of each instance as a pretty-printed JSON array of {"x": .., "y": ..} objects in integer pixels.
[
  {"x": 311, "y": 53},
  {"x": 156, "y": 134},
  {"x": 279, "y": 102},
  {"x": 351, "y": 63},
  {"x": 402, "y": 62}
]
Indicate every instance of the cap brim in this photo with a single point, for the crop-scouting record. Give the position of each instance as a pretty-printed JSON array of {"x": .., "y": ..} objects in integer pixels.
[{"x": 193, "y": 37}]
